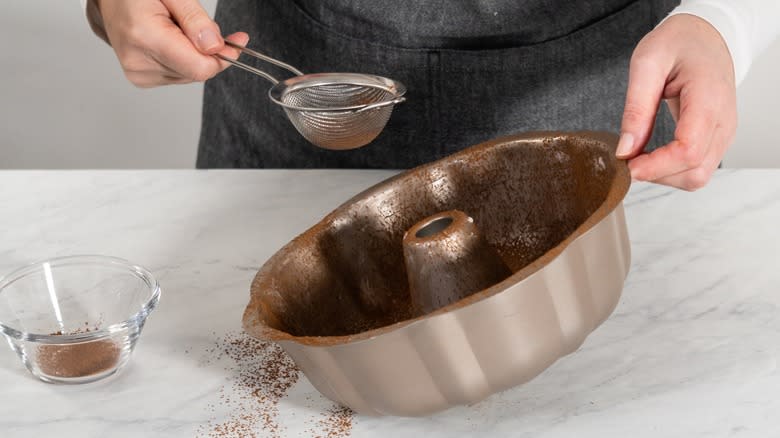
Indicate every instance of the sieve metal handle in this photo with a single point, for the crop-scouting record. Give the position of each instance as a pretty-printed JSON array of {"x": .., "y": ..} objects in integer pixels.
[
  {"x": 260, "y": 56},
  {"x": 395, "y": 101}
]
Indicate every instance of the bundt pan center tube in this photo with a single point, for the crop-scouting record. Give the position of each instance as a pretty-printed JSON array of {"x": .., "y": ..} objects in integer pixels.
[
  {"x": 446, "y": 260},
  {"x": 453, "y": 280}
]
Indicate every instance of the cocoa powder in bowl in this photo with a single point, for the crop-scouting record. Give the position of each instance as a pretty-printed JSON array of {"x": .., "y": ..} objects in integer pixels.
[{"x": 78, "y": 360}]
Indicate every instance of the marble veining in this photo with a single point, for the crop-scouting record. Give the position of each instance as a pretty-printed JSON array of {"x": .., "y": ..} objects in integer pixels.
[{"x": 691, "y": 350}]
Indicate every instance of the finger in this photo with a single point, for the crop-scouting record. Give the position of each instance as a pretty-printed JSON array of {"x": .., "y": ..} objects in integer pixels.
[
  {"x": 154, "y": 79},
  {"x": 239, "y": 38},
  {"x": 154, "y": 62},
  {"x": 173, "y": 50},
  {"x": 698, "y": 118},
  {"x": 196, "y": 24},
  {"x": 646, "y": 80},
  {"x": 674, "y": 108},
  {"x": 690, "y": 180},
  {"x": 697, "y": 178}
]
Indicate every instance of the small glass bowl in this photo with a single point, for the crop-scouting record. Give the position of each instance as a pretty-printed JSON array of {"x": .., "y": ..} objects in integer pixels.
[{"x": 76, "y": 319}]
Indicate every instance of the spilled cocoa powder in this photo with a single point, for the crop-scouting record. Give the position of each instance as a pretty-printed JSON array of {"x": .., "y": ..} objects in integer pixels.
[
  {"x": 337, "y": 423},
  {"x": 77, "y": 360},
  {"x": 262, "y": 375}
]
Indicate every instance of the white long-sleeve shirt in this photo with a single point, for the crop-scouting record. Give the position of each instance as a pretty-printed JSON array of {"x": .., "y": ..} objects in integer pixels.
[{"x": 746, "y": 26}]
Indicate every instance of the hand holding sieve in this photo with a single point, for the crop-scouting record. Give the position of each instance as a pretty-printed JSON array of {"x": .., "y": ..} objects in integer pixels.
[{"x": 331, "y": 110}]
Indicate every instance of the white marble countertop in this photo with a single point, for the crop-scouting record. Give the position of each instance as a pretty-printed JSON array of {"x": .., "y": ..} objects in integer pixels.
[{"x": 692, "y": 349}]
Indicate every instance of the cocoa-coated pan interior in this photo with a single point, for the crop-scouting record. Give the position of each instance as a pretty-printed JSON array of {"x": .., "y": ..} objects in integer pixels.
[{"x": 346, "y": 275}]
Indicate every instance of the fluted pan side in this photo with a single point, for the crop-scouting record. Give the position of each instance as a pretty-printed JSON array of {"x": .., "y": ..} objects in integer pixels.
[{"x": 494, "y": 344}]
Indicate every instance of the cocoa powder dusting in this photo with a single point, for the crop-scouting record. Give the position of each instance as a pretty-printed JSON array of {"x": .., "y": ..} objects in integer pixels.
[
  {"x": 262, "y": 375},
  {"x": 336, "y": 424},
  {"x": 77, "y": 360}
]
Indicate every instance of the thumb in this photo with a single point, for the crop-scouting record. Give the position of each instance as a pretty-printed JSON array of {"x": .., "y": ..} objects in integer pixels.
[
  {"x": 196, "y": 24},
  {"x": 646, "y": 82}
]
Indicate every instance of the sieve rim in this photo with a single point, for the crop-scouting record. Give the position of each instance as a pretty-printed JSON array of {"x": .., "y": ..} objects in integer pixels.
[{"x": 395, "y": 88}]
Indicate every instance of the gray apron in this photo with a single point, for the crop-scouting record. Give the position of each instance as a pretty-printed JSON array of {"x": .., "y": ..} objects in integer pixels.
[{"x": 475, "y": 70}]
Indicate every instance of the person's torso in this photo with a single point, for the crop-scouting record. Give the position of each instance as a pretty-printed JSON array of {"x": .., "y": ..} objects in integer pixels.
[
  {"x": 474, "y": 70},
  {"x": 459, "y": 24}
]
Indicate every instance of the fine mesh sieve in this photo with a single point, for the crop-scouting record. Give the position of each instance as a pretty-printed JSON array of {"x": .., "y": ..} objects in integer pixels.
[{"x": 331, "y": 110}]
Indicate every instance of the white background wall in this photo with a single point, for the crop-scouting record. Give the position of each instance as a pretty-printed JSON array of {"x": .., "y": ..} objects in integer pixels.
[{"x": 64, "y": 102}]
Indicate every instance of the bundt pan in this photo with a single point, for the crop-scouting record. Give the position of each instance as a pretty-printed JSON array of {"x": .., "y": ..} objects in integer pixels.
[{"x": 454, "y": 280}]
